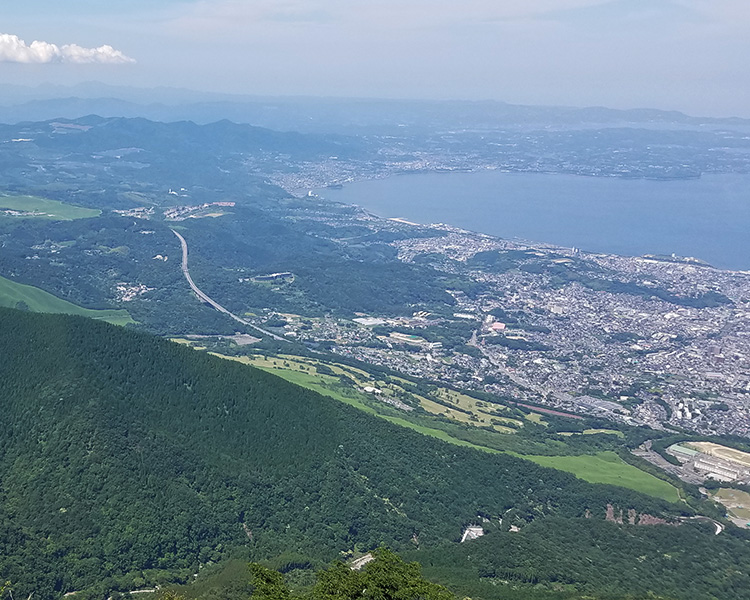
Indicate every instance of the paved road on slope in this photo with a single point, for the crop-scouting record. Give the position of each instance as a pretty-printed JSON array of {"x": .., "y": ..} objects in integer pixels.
[
  {"x": 208, "y": 300},
  {"x": 718, "y": 527}
]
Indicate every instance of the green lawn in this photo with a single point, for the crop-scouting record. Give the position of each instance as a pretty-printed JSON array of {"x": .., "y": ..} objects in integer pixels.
[
  {"x": 607, "y": 467},
  {"x": 37, "y": 300},
  {"x": 603, "y": 467},
  {"x": 619, "y": 434},
  {"x": 51, "y": 209}
]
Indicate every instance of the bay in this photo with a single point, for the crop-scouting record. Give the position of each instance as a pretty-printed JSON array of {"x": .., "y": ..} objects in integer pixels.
[{"x": 706, "y": 218}]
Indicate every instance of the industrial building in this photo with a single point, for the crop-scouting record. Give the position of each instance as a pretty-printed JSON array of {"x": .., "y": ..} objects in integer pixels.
[{"x": 711, "y": 467}]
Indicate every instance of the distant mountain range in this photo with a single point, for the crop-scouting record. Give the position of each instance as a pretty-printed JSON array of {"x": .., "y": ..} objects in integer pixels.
[{"x": 311, "y": 114}]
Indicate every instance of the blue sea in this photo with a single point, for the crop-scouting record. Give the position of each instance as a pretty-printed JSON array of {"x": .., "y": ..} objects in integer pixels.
[{"x": 707, "y": 218}]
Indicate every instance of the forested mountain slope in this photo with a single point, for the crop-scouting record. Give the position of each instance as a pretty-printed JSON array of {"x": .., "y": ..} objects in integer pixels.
[{"x": 125, "y": 457}]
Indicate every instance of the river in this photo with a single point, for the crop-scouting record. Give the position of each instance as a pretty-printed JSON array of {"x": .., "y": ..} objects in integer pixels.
[{"x": 708, "y": 218}]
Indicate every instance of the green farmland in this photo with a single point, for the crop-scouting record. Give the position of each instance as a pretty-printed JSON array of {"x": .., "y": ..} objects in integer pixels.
[
  {"x": 607, "y": 467},
  {"x": 19, "y": 295},
  {"x": 42, "y": 208}
]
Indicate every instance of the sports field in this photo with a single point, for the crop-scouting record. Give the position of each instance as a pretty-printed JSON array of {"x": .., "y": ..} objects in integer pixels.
[
  {"x": 41, "y": 208},
  {"x": 720, "y": 451},
  {"x": 14, "y": 295}
]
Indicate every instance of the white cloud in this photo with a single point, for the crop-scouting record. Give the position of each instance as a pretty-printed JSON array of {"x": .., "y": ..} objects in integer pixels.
[{"x": 14, "y": 49}]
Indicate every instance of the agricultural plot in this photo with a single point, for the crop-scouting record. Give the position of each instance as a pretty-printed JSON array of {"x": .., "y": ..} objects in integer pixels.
[
  {"x": 19, "y": 295},
  {"x": 41, "y": 208}
]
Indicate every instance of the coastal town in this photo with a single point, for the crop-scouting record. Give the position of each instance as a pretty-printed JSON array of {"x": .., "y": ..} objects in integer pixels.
[{"x": 657, "y": 341}]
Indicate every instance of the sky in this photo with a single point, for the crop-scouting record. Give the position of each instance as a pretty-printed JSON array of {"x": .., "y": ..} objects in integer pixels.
[{"x": 687, "y": 55}]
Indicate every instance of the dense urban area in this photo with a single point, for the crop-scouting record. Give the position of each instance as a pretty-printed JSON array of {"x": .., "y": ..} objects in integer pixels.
[{"x": 669, "y": 345}]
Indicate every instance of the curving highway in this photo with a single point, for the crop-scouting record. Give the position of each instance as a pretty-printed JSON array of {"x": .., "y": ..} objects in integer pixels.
[{"x": 203, "y": 297}]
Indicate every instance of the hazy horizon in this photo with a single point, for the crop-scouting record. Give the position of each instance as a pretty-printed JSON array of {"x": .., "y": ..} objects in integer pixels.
[
  {"x": 169, "y": 96},
  {"x": 684, "y": 55}
]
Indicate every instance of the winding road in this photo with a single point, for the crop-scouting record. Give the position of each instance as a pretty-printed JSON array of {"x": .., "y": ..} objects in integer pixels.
[{"x": 203, "y": 297}]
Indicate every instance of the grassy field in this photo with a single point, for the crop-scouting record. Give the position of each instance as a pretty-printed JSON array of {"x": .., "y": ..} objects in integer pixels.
[
  {"x": 37, "y": 300},
  {"x": 187, "y": 342},
  {"x": 50, "y": 209},
  {"x": 737, "y": 502},
  {"x": 607, "y": 467},
  {"x": 478, "y": 412},
  {"x": 619, "y": 434},
  {"x": 535, "y": 418},
  {"x": 604, "y": 467}
]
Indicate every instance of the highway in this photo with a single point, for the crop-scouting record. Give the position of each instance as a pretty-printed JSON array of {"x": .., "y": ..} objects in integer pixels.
[{"x": 203, "y": 297}]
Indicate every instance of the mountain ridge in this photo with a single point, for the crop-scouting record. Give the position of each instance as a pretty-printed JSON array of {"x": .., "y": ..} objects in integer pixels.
[{"x": 126, "y": 452}]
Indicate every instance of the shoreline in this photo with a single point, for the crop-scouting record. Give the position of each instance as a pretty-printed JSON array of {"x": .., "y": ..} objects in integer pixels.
[{"x": 579, "y": 212}]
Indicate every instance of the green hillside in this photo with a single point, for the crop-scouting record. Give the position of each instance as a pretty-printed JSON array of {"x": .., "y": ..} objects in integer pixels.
[
  {"x": 601, "y": 467},
  {"x": 14, "y": 295},
  {"x": 127, "y": 460},
  {"x": 607, "y": 467},
  {"x": 34, "y": 207}
]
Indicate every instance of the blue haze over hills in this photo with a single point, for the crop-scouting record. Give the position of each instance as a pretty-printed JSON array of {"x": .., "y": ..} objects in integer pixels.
[{"x": 706, "y": 218}]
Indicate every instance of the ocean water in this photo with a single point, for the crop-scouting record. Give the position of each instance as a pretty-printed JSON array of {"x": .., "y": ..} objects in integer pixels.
[{"x": 707, "y": 218}]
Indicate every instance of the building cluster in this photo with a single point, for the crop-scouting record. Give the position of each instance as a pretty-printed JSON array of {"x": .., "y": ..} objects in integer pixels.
[
  {"x": 711, "y": 467},
  {"x": 634, "y": 357},
  {"x": 180, "y": 213},
  {"x": 140, "y": 212}
]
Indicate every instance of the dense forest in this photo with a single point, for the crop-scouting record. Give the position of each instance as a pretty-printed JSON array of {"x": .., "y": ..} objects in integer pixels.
[
  {"x": 589, "y": 556},
  {"x": 128, "y": 460}
]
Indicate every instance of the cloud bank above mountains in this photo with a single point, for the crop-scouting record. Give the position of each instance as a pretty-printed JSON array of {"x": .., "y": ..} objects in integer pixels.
[{"x": 14, "y": 49}]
